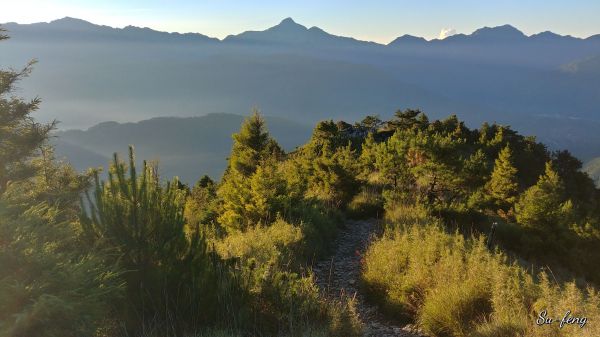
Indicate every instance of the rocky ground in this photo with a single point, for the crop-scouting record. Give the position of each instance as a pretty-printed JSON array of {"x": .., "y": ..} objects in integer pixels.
[{"x": 338, "y": 276}]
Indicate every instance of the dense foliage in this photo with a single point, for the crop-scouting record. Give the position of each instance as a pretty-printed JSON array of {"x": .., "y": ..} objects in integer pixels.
[
  {"x": 49, "y": 286},
  {"x": 450, "y": 214}
]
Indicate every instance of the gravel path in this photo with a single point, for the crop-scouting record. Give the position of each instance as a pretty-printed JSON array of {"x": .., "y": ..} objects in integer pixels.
[{"x": 339, "y": 275}]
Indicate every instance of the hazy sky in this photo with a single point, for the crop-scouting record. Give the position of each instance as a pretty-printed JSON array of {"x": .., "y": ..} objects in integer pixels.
[{"x": 380, "y": 21}]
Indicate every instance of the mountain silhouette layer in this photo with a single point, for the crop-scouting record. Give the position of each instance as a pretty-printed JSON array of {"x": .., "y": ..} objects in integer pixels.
[{"x": 545, "y": 84}]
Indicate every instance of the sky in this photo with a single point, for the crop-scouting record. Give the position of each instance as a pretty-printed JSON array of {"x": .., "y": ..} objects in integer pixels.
[{"x": 375, "y": 20}]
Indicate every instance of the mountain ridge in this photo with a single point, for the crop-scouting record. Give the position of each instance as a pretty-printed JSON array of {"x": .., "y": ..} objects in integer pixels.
[
  {"x": 288, "y": 26},
  {"x": 185, "y": 146},
  {"x": 74, "y": 28}
]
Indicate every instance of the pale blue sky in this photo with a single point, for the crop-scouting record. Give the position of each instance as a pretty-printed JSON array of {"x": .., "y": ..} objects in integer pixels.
[{"x": 374, "y": 20}]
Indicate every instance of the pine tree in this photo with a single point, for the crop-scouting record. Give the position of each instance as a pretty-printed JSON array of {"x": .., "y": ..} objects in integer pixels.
[
  {"x": 267, "y": 193},
  {"x": 499, "y": 138},
  {"x": 201, "y": 205},
  {"x": 391, "y": 163},
  {"x": 367, "y": 156},
  {"x": 249, "y": 145},
  {"x": 543, "y": 206},
  {"x": 503, "y": 186},
  {"x": 170, "y": 276},
  {"x": 50, "y": 284},
  {"x": 331, "y": 176},
  {"x": 326, "y": 137},
  {"x": 475, "y": 170},
  {"x": 434, "y": 165},
  {"x": 20, "y": 135},
  {"x": 405, "y": 119},
  {"x": 485, "y": 133},
  {"x": 369, "y": 124},
  {"x": 252, "y": 147}
]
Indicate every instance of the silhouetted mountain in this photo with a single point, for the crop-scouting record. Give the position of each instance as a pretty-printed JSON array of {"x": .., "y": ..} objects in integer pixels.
[
  {"x": 500, "y": 33},
  {"x": 488, "y": 35},
  {"x": 186, "y": 147},
  {"x": 68, "y": 28},
  {"x": 548, "y": 36},
  {"x": 89, "y": 73},
  {"x": 288, "y": 32},
  {"x": 595, "y": 37}
]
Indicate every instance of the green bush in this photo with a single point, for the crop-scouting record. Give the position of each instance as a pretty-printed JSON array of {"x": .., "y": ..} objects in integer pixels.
[
  {"x": 48, "y": 286},
  {"x": 52, "y": 283}
]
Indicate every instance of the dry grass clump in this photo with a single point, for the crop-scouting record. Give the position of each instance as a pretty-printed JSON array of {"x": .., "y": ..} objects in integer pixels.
[{"x": 456, "y": 287}]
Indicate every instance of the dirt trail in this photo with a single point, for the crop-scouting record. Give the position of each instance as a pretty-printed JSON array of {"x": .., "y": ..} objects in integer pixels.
[{"x": 340, "y": 273}]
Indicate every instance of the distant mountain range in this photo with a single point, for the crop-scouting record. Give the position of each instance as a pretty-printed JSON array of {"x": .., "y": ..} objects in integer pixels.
[
  {"x": 545, "y": 84},
  {"x": 72, "y": 29},
  {"x": 185, "y": 147}
]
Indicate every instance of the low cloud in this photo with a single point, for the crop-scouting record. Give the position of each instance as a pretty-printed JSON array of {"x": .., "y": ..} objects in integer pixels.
[{"x": 445, "y": 32}]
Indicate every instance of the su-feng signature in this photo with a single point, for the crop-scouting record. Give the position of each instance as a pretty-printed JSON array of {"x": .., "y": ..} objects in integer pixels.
[{"x": 567, "y": 319}]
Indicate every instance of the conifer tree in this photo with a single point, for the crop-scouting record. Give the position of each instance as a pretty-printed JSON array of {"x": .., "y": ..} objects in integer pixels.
[
  {"x": 170, "y": 277},
  {"x": 267, "y": 193},
  {"x": 475, "y": 170},
  {"x": 249, "y": 145},
  {"x": 485, "y": 133},
  {"x": 503, "y": 186},
  {"x": 543, "y": 205},
  {"x": 20, "y": 135},
  {"x": 499, "y": 137},
  {"x": 433, "y": 163},
  {"x": 50, "y": 285},
  {"x": 331, "y": 176},
  {"x": 390, "y": 161},
  {"x": 369, "y": 124},
  {"x": 368, "y": 155},
  {"x": 252, "y": 147},
  {"x": 405, "y": 119},
  {"x": 201, "y": 205},
  {"x": 326, "y": 137},
  {"x": 422, "y": 121}
]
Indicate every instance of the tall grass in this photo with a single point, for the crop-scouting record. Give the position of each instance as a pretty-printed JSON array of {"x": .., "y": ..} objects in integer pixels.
[
  {"x": 286, "y": 299},
  {"x": 368, "y": 203},
  {"x": 453, "y": 286}
]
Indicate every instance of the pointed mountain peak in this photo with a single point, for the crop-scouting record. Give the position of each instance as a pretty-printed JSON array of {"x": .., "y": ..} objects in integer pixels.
[
  {"x": 289, "y": 25},
  {"x": 287, "y": 21},
  {"x": 499, "y": 32}
]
